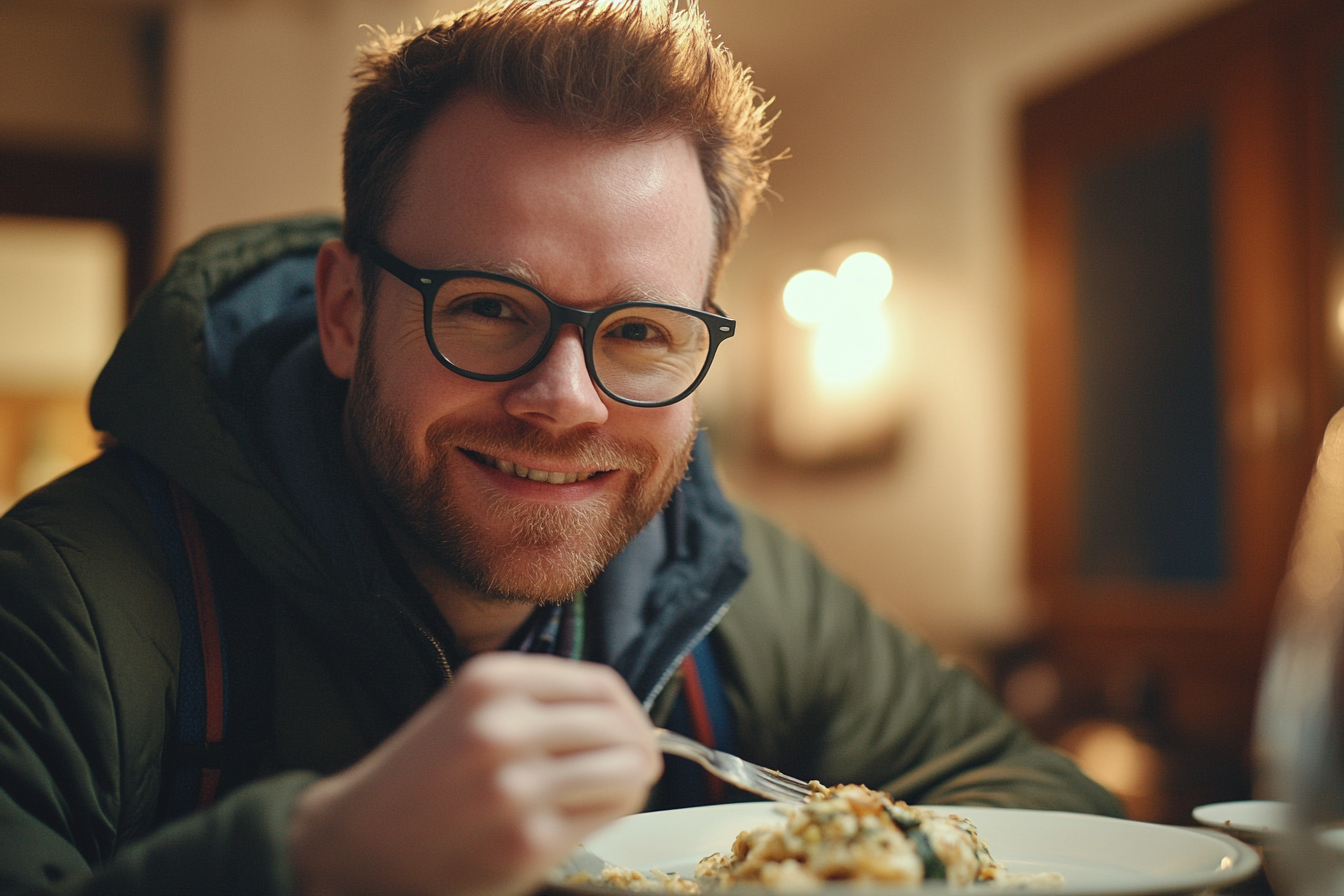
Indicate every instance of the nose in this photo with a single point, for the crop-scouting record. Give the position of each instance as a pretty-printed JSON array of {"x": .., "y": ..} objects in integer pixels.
[{"x": 558, "y": 392}]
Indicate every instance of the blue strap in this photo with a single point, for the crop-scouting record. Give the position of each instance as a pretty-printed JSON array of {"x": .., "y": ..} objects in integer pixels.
[
  {"x": 182, "y": 779},
  {"x": 716, "y": 701}
]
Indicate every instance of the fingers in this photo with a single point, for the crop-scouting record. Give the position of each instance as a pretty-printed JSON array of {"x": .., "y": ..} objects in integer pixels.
[
  {"x": 521, "y": 723},
  {"x": 546, "y": 679},
  {"x": 560, "y": 831},
  {"x": 519, "y": 705},
  {"x": 571, "y": 798},
  {"x": 578, "y": 782},
  {"x": 570, "y": 746},
  {"x": 486, "y": 787},
  {"x": 592, "y": 752}
]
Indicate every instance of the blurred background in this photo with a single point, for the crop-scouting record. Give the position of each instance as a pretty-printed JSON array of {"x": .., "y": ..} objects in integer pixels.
[{"x": 1048, "y": 389}]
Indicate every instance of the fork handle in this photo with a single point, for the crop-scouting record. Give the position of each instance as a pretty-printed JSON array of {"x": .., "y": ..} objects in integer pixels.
[
  {"x": 736, "y": 771},
  {"x": 677, "y": 745}
]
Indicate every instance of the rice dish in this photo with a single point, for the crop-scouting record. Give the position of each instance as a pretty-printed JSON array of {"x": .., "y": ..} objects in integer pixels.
[{"x": 844, "y": 833}]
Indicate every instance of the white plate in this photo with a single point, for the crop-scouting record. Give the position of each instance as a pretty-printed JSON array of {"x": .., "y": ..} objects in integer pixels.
[
  {"x": 1096, "y": 855},
  {"x": 1248, "y": 819}
]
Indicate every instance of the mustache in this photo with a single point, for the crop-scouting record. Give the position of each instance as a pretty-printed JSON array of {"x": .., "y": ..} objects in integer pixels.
[{"x": 593, "y": 450}]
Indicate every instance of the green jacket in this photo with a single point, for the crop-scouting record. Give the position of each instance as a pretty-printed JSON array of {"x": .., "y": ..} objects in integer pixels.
[{"x": 89, "y": 636}]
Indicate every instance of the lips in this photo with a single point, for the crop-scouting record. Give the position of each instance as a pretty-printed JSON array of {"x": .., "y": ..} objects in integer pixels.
[{"x": 555, "y": 477}]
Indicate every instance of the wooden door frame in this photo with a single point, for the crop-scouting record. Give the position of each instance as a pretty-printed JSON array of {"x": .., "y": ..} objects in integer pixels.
[
  {"x": 124, "y": 191},
  {"x": 1237, "y": 74}
]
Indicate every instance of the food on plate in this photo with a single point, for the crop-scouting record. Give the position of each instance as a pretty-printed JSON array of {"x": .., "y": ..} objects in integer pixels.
[
  {"x": 655, "y": 881},
  {"x": 843, "y": 833}
]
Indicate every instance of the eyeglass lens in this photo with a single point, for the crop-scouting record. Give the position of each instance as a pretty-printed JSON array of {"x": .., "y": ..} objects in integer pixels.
[{"x": 641, "y": 353}]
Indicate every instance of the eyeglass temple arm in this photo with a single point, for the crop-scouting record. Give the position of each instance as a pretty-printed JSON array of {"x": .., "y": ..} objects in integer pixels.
[{"x": 393, "y": 265}]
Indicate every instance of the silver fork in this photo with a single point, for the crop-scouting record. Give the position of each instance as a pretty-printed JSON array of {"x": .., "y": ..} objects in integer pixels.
[{"x": 749, "y": 776}]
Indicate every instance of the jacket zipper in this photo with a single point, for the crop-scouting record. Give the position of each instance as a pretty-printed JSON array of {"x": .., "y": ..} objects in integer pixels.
[
  {"x": 690, "y": 645},
  {"x": 445, "y": 669}
]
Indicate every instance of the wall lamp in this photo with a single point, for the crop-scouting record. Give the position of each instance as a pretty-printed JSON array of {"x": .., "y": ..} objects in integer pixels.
[{"x": 840, "y": 371}]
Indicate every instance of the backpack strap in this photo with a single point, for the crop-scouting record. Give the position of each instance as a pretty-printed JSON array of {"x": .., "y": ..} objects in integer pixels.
[
  {"x": 191, "y": 769},
  {"x": 702, "y": 712}
]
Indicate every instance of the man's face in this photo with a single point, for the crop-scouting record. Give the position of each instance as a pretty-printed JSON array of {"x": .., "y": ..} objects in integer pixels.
[{"x": 590, "y": 223}]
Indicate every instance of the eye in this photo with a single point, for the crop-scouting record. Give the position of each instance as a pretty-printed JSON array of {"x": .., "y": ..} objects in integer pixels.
[
  {"x": 635, "y": 332},
  {"x": 490, "y": 306}
]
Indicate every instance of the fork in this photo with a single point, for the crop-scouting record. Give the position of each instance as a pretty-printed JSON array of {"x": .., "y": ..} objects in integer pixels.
[{"x": 749, "y": 776}]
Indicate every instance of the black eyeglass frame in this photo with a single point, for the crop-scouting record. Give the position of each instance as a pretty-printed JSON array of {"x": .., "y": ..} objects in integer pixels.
[{"x": 428, "y": 282}]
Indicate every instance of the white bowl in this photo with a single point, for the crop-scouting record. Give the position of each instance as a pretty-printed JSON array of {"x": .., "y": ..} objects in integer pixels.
[{"x": 1247, "y": 820}]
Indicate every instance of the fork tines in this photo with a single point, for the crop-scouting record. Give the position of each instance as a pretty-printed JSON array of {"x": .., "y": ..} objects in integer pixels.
[
  {"x": 780, "y": 784},
  {"x": 735, "y": 770}
]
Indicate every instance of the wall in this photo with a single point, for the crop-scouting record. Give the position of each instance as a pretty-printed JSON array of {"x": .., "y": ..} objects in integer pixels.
[
  {"x": 255, "y": 107},
  {"x": 900, "y": 125},
  {"x": 899, "y": 118}
]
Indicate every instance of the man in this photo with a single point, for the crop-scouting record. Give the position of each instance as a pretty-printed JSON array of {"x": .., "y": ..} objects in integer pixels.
[{"x": 404, "y": 466}]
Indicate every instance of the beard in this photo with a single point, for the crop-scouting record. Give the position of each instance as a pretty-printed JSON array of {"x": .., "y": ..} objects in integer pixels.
[{"x": 547, "y": 551}]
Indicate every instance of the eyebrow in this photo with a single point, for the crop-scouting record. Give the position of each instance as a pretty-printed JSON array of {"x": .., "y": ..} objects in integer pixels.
[
  {"x": 625, "y": 292},
  {"x": 518, "y": 270}
]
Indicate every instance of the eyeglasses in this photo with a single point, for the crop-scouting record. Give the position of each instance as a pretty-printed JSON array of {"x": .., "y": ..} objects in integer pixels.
[{"x": 491, "y": 327}]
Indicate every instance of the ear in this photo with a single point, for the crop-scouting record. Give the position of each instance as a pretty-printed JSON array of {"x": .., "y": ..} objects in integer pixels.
[{"x": 340, "y": 306}]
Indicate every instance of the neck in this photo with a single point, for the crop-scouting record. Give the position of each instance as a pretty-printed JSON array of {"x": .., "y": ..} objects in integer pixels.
[{"x": 479, "y": 622}]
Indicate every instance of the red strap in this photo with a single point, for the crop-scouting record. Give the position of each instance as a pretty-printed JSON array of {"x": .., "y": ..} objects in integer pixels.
[
  {"x": 701, "y": 727},
  {"x": 208, "y": 619},
  {"x": 209, "y": 785}
]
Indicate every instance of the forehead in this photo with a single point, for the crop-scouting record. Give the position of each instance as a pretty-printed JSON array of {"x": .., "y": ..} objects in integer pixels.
[{"x": 583, "y": 216}]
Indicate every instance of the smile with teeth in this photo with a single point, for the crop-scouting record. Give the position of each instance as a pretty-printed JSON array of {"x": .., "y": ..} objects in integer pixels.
[{"x": 522, "y": 472}]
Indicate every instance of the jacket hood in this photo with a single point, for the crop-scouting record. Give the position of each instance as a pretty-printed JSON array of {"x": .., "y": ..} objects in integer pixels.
[
  {"x": 207, "y": 381},
  {"x": 157, "y": 398},
  {"x": 154, "y": 394}
]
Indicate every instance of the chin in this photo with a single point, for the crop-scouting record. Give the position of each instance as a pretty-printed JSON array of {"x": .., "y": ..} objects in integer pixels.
[
  {"x": 536, "y": 552},
  {"x": 531, "y": 575}
]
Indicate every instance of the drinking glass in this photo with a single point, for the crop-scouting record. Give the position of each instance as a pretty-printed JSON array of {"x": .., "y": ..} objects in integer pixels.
[{"x": 1300, "y": 714}]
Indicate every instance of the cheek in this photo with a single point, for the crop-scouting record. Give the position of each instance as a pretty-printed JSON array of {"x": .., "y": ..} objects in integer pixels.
[
  {"x": 445, "y": 398},
  {"x": 665, "y": 429},
  {"x": 419, "y": 387}
]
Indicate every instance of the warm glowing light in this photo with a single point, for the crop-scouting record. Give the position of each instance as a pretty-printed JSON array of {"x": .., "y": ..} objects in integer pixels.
[
  {"x": 1339, "y": 315},
  {"x": 864, "y": 278},
  {"x": 849, "y": 350},
  {"x": 840, "y": 381},
  {"x": 1110, "y": 754},
  {"x": 861, "y": 283},
  {"x": 809, "y": 296}
]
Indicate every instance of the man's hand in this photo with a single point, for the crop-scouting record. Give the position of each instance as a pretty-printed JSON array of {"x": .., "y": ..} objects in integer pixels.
[{"x": 485, "y": 788}]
